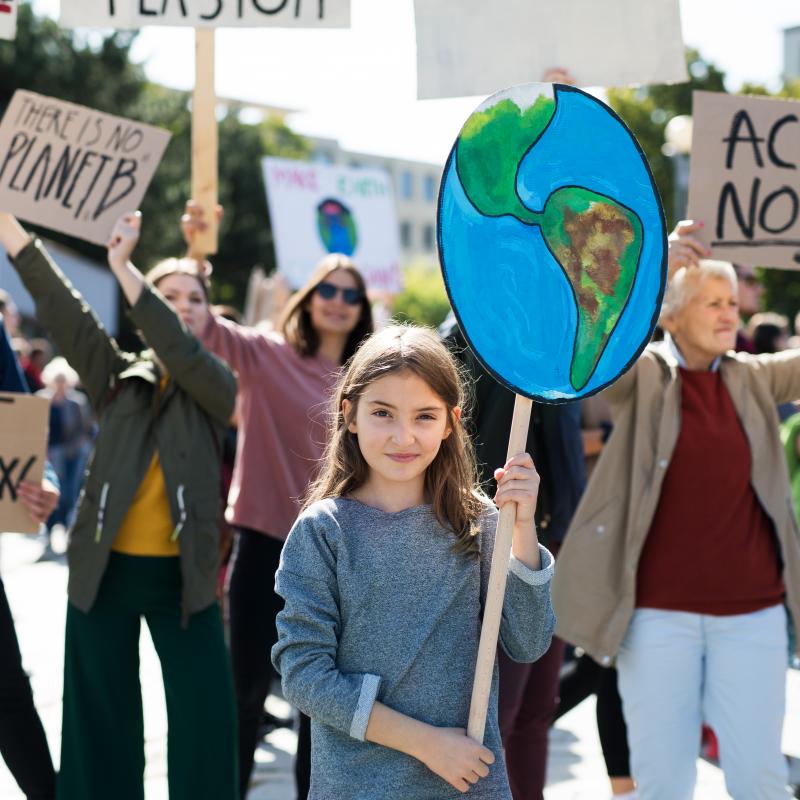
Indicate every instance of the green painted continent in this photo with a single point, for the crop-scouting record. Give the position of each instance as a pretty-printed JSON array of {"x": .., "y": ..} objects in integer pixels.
[
  {"x": 490, "y": 148},
  {"x": 597, "y": 242}
]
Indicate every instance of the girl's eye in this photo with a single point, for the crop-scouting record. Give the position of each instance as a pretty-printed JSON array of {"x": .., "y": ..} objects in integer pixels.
[
  {"x": 427, "y": 417},
  {"x": 380, "y": 412}
]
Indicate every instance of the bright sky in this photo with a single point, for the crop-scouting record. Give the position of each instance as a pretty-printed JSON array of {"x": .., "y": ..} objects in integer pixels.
[{"x": 359, "y": 86}]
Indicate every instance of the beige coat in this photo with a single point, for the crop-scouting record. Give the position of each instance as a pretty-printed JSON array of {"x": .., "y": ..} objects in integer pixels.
[{"x": 594, "y": 589}]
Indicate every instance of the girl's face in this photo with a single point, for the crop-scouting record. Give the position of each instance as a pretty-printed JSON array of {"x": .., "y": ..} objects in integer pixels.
[
  {"x": 333, "y": 315},
  {"x": 401, "y": 424},
  {"x": 185, "y": 294}
]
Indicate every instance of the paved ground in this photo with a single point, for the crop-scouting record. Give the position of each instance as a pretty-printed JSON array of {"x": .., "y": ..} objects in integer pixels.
[{"x": 36, "y": 591}]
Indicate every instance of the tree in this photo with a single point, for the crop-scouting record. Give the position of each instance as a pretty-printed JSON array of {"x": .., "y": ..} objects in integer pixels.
[{"x": 647, "y": 111}]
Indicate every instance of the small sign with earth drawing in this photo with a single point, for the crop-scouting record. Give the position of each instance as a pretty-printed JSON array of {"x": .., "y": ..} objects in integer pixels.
[
  {"x": 317, "y": 209},
  {"x": 552, "y": 242}
]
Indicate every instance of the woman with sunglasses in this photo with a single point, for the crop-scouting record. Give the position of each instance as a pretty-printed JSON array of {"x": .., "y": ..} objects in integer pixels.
[{"x": 285, "y": 380}]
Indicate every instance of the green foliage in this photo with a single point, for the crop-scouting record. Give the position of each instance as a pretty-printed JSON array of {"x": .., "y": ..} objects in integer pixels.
[
  {"x": 46, "y": 59},
  {"x": 424, "y": 299}
]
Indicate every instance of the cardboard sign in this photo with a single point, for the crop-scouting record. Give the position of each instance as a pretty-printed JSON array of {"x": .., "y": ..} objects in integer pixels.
[
  {"x": 318, "y": 209},
  {"x": 8, "y": 19},
  {"x": 744, "y": 182},
  {"x": 133, "y": 14},
  {"x": 468, "y": 47},
  {"x": 73, "y": 169},
  {"x": 552, "y": 241},
  {"x": 23, "y": 444}
]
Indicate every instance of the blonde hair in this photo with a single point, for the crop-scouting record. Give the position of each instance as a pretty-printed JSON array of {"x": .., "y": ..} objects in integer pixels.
[
  {"x": 451, "y": 480},
  {"x": 295, "y": 320},
  {"x": 687, "y": 281}
]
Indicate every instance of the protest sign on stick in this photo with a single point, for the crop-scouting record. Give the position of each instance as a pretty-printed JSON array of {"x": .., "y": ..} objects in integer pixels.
[
  {"x": 204, "y": 140},
  {"x": 316, "y": 209},
  {"x": 134, "y": 14},
  {"x": 8, "y": 18},
  {"x": 743, "y": 180},
  {"x": 467, "y": 47},
  {"x": 73, "y": 169},
  {"x": 552, "y": 242},
  {"x": 23, "y": 445}
]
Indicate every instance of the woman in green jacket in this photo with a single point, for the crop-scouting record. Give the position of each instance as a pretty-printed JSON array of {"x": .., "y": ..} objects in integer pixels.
[{"x": 145, "y": 540}]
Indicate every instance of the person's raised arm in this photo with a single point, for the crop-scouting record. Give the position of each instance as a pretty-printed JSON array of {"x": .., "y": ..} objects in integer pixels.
[
  {"x": 123, "y": 241},
  {"x": 71, "y": 323},
  {"x": 197, "y": 371}
]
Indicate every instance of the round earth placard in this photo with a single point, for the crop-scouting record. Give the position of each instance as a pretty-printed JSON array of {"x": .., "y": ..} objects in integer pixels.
[{"x": 552, "y": 241}]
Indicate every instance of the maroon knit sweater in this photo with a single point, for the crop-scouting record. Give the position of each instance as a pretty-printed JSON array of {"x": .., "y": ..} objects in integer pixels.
[{"x": 711, "y": 548}]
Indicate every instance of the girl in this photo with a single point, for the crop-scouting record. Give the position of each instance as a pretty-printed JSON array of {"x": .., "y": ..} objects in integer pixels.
[
  {"x": 285, "y": 384},
  {"x": 384, "y": 577},
  {"x": 145, "y": 540}
]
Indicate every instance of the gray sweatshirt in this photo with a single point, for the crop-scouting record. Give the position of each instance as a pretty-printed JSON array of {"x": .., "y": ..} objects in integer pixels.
[{"x": 379, "y": 607}]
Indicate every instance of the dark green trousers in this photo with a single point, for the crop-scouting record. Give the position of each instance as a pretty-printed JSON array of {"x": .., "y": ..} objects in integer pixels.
[{"x": 102, "y": 742}]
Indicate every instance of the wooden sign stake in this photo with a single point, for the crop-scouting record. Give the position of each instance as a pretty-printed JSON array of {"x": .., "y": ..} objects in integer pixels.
[
  {"x": 498, "y": 574},
  {"x": 204, "y": 140}
]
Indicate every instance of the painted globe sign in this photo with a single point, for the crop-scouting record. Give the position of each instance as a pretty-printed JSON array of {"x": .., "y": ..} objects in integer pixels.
[{"x": 552, "y": 241}]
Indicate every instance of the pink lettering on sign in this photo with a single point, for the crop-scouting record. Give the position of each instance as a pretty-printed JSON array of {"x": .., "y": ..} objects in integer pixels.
[
  {"x": 5, "y": 8},
  {"x": 296, "y": 178}
]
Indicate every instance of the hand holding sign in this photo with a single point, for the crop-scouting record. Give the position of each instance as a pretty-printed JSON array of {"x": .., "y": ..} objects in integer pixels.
[
  {"x": 40, "y": 499},
  {"x": 124, "y": 238}
]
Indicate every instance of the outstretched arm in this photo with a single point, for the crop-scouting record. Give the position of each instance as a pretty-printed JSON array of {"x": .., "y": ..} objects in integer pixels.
[
  {"x": 60, "y": 308},
  {"x": 197, "y": 371}
]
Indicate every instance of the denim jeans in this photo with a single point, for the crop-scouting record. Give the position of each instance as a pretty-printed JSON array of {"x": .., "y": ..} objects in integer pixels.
[{"x": 679, "y": 669}]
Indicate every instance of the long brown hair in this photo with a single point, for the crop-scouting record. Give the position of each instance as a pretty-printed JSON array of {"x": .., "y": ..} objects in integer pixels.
[
  {"x": 295, "y": 321},
  {"x": 451, "y": 480}
]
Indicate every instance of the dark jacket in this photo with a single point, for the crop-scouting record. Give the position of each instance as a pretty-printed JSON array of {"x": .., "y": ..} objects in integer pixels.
[
  {"x": 554, "y": 442},
  {"x": 186, "y": 423}
]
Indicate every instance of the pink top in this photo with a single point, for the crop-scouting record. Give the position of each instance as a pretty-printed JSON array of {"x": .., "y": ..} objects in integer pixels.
[{"x": 283, "y": 405}]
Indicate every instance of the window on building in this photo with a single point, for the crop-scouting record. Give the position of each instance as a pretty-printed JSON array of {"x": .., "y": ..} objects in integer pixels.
[
  {"x": 429, "y": 188},
  {"x": 406, "y": 185},
  {"x": 428, "y": 238},
  {"x": 405, "y": 235}
]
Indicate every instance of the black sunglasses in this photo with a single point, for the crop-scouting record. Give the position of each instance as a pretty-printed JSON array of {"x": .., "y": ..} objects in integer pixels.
[{"x": 327, "y": 291}]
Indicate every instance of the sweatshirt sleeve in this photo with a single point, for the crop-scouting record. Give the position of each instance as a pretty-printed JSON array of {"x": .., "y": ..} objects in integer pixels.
[
  {"x": 308, "y": 631},
  {"x": 528, "y": 622},
  {"x": 242, "y": 348}
]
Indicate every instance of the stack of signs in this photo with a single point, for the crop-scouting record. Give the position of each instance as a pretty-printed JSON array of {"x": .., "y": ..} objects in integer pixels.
[
  {"x": 743, "y": 182},
  {"x": 317, "y": 209},
  {"x": 73, "y": 169},
  {"x": 8, "y": 18},
  {"x": 23, "y": 443}
]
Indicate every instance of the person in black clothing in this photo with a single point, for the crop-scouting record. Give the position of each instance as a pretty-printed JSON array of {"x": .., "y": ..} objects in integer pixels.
[{"x": 22, "y": 741}]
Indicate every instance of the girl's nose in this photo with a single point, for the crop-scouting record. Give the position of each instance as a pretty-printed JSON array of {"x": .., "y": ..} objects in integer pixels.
[{"x": 403, "y": 435}]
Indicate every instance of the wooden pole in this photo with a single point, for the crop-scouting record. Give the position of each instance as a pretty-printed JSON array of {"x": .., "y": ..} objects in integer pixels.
[
  {"x": 204, "y": 140},
  {"x": 495, "y": 593}
]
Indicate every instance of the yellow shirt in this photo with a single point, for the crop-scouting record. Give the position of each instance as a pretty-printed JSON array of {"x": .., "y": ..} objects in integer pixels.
[{"x": 147, "y": 527}]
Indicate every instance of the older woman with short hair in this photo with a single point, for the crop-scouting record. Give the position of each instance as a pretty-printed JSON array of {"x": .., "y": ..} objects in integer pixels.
[{"x": 684, "y": 548}]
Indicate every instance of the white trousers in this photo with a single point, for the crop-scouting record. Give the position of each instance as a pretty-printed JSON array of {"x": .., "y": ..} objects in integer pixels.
[{"x": 677, "y": 670}]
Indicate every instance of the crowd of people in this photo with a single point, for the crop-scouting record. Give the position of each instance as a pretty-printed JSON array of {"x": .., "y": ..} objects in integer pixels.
[{"x": 363, "y": 497}]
